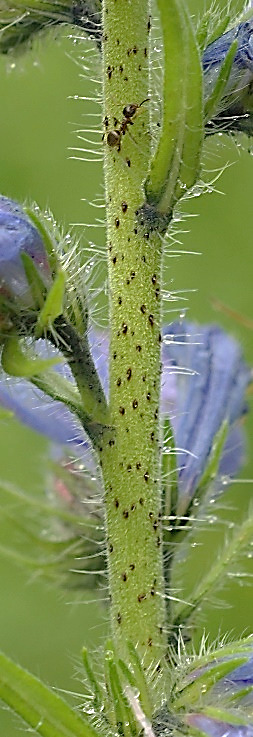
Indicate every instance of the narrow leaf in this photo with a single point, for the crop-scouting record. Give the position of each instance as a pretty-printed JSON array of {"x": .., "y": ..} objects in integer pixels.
[
  {"x": 193, "y": 133},
  {"x": 96, "y": 690},
  {"x": 43, "y": 710},
  {"x": 211, "y": 105},
  {"x": 222, "y": 715},
  {"x": 166, "y": 161},
  {"x": 36, "y": 284},
  {"x": 176, "y": 163},
  {"x": 141, "y": 683},
  {"x": 123, "y": 714},
  {"x": 53, "y": 306},
  {"x": 32, "y": 501},
  {"x": 214, "y": 459},
  {"x": 204, "y": 36},
  {"x": 59, "y": 388},
  {"x": 17, "y": 363},
  {"x": 234, "y": 648}
]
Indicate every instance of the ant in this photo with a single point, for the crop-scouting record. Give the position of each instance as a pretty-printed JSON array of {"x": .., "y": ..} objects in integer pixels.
[{"x": 114, "y": 137}]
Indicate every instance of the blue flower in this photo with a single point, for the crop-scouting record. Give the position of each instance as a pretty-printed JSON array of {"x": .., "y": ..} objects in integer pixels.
[
  {"x": 203, "y": 384},
  {"x": 19, "y": 236},
  {"x": 211, "y": 380},
  {"x": 236, "y": 106}
]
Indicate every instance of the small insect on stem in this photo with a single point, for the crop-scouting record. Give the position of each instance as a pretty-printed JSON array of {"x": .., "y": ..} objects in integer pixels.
[{"x": 114, "y": 137}]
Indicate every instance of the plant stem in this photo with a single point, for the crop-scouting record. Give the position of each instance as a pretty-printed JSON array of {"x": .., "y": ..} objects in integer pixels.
[{"x": 130, "y": 454}]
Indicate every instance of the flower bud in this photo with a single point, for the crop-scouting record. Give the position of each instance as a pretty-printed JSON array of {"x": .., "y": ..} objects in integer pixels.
[{"x": 18, "y": 239}]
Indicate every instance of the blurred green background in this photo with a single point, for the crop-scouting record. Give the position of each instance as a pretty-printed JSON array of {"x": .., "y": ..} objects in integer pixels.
[{"x": 39, "y": 626}]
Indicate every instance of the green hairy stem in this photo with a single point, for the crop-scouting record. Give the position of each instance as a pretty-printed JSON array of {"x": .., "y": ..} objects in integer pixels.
[{"x": 130, "y": 453}]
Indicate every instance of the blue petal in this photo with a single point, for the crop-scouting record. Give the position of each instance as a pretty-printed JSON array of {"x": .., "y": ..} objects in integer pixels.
[
  {"x": 242, "y": 676},
  {"x": 216, "y": 52},
  {"x": 211, "y": 383},
  {"x": 217, "y": 728},
  {"x": 33, "y": 409},
  {"x": 51, "y": 418}
]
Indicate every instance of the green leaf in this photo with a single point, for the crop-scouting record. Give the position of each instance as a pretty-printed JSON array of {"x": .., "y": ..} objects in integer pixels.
[
  {"x": 140, "y": 680},
  {"x": 211, "y": 104},
  {"x": 124, "y": 717},
  {"x": 33, "y": 502},
  {"x": 166, "y": 161},
  {"x": 176, "y": 163},
  {"x": 17, "y": 363},
  {"x": 43, "y": 710},
  {"x": 208, "y": 475},
  {"x": 169, "y": 472},
  {"x": 59, "y": 388},
  {"x": 22, "y": 20},
  {"x": 238, "y": 696},
  {"x": 53, "y": 305},
  {"x": 204, "y": 37},
  {"x": 193, "y": 132},
  {"x": 214, "y": 459},
  {"x": 96, "y": 690},
  {"x": 69, "y": 554}
]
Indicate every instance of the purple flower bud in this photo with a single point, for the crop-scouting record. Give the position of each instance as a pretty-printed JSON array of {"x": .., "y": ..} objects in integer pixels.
[
  {"x": 17, "y": 236},
  {"x": 236, "y": 106}
]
